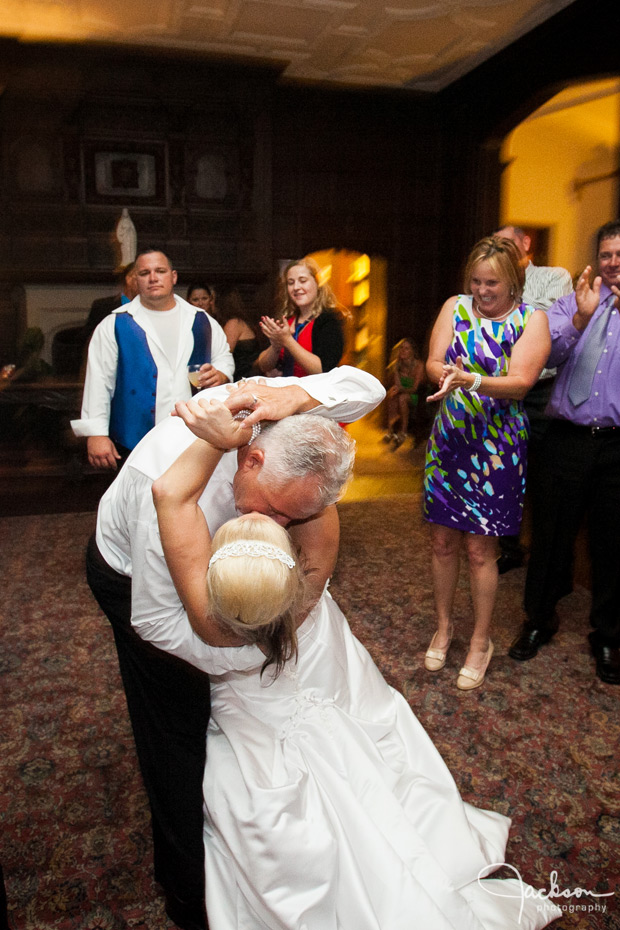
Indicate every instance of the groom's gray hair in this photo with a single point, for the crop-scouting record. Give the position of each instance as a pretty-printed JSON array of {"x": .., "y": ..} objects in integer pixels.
[{"x": 304, "y": 446}]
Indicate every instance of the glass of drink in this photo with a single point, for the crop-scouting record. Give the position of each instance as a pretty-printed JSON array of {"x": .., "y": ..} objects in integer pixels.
[{"x": 193, "y": 371}]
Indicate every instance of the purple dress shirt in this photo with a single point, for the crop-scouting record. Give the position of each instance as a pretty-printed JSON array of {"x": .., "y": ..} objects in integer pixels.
[{"x": 603, "y": 406}]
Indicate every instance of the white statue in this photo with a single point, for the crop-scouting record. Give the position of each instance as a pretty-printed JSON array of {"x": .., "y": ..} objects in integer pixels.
[{"x": 127, "y": 237}]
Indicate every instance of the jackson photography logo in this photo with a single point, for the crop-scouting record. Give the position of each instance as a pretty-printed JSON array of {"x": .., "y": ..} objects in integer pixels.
[{"x": 548, "y": 898}]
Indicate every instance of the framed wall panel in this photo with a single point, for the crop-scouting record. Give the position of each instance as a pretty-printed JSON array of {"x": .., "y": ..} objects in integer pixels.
[{"x": 124, "y": 173}]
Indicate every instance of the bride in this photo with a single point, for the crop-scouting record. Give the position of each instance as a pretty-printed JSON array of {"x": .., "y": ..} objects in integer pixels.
[{"x": 327, "y": 806}]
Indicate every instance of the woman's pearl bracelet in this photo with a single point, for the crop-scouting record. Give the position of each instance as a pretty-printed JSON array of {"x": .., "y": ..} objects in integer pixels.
[
  {"x": 255, "y": 426},
  {"x": 475, "y": 383}
]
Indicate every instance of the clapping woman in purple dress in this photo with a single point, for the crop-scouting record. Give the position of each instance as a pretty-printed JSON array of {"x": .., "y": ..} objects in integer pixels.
[{"x": 487, "y": 349}]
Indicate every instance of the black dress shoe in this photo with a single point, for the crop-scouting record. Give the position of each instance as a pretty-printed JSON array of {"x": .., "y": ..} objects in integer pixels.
[
  {"x": 506, "y": 562},
  {"x": 607, "y": 661},
  {"x": 187, "y": 915},
  {"x": 529, "y": 641}
]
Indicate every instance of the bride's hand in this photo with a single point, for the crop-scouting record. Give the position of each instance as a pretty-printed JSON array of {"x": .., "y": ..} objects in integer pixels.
[{"x": 213, "y": 422}]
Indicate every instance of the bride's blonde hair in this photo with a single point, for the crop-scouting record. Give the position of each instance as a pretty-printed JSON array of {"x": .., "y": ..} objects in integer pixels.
[{"x": 257, "y": 596}]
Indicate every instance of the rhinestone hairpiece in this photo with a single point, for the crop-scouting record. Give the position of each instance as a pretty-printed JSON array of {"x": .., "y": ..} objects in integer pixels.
[
  {"x": 254, "y": 548},
  {"x": 255, "y": 426}
]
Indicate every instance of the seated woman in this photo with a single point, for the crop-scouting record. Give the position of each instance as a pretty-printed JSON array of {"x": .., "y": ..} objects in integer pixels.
[
  {"x": 326, "y": 805},
  {"x": 406, "y": 374},
  {"x": 306, "y": 337}
]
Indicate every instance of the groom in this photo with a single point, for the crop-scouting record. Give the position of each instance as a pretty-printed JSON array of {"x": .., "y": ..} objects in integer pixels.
[{"x": 294, "y": 482}]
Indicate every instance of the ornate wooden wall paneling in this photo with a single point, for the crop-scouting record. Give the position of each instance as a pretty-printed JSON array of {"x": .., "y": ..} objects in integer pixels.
[{"x": 68, "y": 117}]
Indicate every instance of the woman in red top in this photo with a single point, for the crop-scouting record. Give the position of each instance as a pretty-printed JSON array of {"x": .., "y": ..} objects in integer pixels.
[{"x": 306, "y": 337}]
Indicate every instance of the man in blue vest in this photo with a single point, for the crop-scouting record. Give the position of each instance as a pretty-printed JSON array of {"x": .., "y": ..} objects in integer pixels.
[{"x": 137, "y": 362}]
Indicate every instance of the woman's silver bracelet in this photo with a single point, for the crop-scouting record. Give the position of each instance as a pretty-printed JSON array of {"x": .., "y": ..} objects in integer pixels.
[{"x": 475, "y": 383}]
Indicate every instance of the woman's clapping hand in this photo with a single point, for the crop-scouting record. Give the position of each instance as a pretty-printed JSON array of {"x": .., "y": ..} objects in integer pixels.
[
  {"x": 453, "y": 377},
  {"x": 277, "y": 331}
]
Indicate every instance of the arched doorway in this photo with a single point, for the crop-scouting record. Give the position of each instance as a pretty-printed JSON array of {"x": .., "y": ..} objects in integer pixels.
[
  {"x": 561, "y": 175},
  {"x": 360, "y": 284}
]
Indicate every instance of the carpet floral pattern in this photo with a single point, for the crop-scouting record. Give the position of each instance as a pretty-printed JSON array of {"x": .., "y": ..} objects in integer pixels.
[{"x": 539, "y": 741}]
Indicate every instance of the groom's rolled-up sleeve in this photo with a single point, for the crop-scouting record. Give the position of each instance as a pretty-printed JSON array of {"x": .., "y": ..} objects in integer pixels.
[{"x": 344, "y": 394}]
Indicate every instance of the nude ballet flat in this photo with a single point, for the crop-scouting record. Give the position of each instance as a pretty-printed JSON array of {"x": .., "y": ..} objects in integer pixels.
[
  {"x": 470, "y": 678},
  {"x": 435, "y": 659}
]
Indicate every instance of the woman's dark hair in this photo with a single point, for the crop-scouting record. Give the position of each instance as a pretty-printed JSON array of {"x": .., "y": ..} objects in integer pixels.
[
  {"x": 198, "y": 286},
  {"x": 230, "y": 306}
]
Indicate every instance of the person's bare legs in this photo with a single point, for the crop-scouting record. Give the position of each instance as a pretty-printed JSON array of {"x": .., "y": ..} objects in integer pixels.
[
  {"x": 445, "y": 560},
  {"x": 403, "y": 409},
  {"x": 393, "y": 409},
  {"x": 482, "y": 553}
]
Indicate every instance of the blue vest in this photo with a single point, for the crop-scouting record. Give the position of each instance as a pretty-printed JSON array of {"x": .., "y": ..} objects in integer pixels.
[{"x": 132, "y": 411}]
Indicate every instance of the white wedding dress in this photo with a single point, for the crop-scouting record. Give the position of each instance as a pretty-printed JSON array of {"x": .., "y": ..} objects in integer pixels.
[{"x": 327, "y": 806}]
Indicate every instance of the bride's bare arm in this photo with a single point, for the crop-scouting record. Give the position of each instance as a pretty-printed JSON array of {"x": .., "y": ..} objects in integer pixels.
[
  {"x": 185, "y": 535},
  {"x": 317, "y": 539}
]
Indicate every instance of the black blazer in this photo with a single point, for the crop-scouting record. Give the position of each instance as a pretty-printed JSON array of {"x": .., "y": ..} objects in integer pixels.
[{"x": 99, "y": 309}]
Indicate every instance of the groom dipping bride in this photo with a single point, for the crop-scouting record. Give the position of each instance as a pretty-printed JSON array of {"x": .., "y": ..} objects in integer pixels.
[{"x": 326, "y": 805}]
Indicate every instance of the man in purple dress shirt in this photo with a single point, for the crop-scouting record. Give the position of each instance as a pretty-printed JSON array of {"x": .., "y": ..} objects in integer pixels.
[{"x": 580, "y": 463}]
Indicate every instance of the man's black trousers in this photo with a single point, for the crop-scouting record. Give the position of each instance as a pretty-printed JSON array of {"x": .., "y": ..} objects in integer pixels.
[
  {"x": 577, "y": 475},
  {"x": 168, "y": 702}
]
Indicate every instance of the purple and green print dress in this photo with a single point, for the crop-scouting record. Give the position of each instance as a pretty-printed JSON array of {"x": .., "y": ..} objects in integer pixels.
[{"x": 474, "y": 476}]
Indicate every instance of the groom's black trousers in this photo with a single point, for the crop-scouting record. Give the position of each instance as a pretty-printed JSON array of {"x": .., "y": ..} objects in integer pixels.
[{"x": 169, "y": 706}]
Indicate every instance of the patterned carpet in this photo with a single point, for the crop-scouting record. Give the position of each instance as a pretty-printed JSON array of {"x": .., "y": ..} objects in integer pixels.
[{"x": 538, "y": 741}]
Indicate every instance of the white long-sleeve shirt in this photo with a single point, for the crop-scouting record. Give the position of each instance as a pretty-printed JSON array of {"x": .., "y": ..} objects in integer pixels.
[
  {"x": 172, "y": 380},
  {"x": 127, "y": 528},
  {"x": 544, "y": 284}
]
